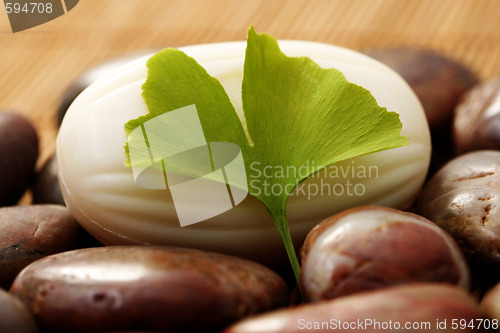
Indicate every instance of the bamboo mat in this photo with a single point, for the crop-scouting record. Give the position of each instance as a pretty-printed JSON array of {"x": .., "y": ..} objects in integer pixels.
[{"x": 37, "y": 65}]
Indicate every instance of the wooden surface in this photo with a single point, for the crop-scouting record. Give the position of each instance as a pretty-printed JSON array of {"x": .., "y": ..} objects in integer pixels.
[{"x": 37, "y": 65}]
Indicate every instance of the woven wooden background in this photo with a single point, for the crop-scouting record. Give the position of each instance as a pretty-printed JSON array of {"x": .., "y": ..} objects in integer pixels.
[{"x": 37, "y": 65}]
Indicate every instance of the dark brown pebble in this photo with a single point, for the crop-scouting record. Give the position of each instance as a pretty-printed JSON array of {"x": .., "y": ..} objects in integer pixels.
[
  {"x": 423, "y": 305},
  {"x": 14, "y": 316},
  {"x": 46, "y": 188},
  {"x": 372, "y": 247},
  {"x": 18, "y": 155},
  {"x": 28, "y": 233},
  {"x": 463, "y": 198},
  {"x": 146, "y": 288},
  {"x": 477, "y": 118}
]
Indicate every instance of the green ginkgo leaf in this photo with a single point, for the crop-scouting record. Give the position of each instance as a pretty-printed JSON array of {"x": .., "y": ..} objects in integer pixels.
[{"x": 296, "y": 114}]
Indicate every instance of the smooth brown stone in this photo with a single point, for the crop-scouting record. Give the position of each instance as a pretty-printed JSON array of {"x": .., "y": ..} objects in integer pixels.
[
  {"x": 477, "y": 118},
  {"x": 14, "y": 316},
  {"x": 46, "y": 188},
  {"x": 18, "y": 155},
  {"x": 28, "y": 233},
  {"x": 463, "y": 198},
  {"x": 415, "y": 304},
  {"x": 146, "y": 288},
  {"x": 376, "y": 247}
]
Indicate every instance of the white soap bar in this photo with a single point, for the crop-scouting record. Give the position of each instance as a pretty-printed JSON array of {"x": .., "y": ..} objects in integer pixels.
[{"x": 102, "y": 195}]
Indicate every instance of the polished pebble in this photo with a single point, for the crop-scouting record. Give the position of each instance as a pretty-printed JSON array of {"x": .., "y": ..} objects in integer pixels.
[
  {"x": 28, "y": 233},
  {"x": 372, "y": 247},
  {"x": 146, "y": 288},
  {"x": 14, "y": 316},
  {"x": 477, "y": 118},
  {"x": 417, "y": 304},
  {"x": 463, "y": 198},
  {"x": 18, "y": 155},
  {"x": 46, "y": 188}
]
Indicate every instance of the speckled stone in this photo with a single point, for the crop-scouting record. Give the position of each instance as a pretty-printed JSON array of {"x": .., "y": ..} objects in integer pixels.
[{"x": 463, "y": 198}]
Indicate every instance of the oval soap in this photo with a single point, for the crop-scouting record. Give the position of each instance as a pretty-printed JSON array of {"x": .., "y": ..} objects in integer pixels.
[{"x": 102, "y": 194}]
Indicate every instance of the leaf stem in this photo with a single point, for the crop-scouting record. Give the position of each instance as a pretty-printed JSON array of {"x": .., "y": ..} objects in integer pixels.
[{"x": 281, "y": 223}]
